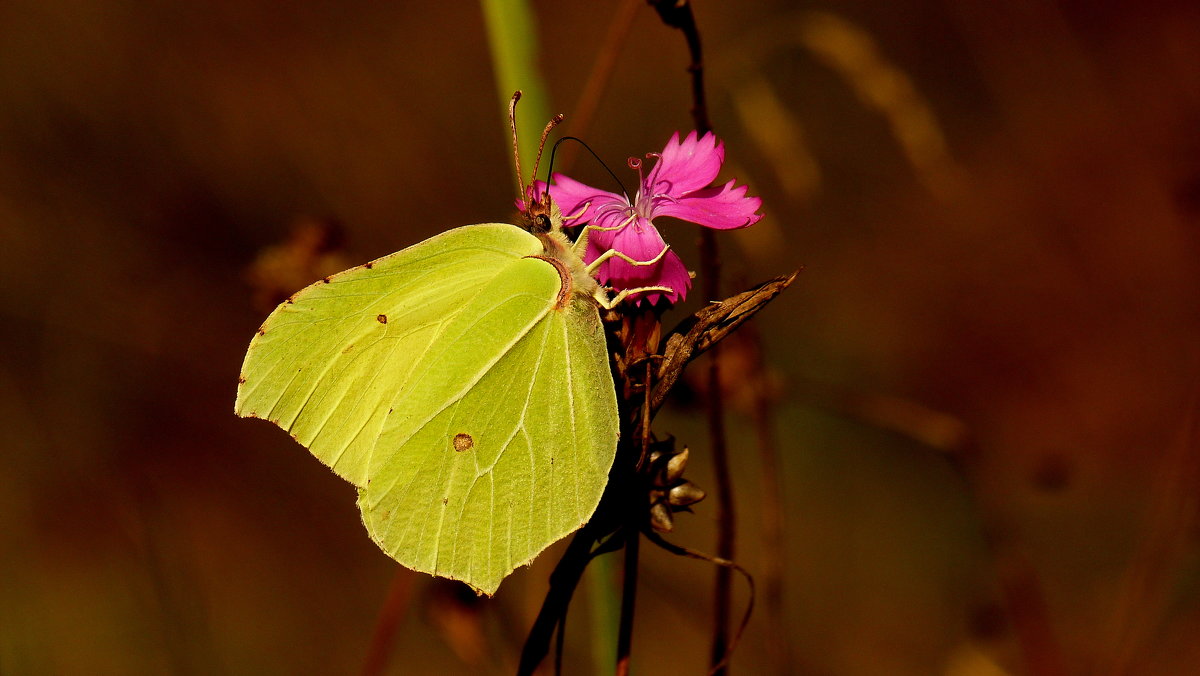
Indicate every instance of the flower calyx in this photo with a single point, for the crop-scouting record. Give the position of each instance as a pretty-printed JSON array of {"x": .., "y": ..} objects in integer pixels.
[{"x": 669, "y": 491}]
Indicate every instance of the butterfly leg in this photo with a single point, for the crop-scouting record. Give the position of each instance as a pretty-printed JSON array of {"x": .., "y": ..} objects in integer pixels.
[
  {"x": 610, "y": 303},
  {"x": 613, "y": 253},
  {"x": 601, "y": 295},
  {"x": 580, "y": 246}
]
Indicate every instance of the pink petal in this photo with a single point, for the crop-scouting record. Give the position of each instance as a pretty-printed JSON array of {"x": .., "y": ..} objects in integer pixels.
[
  {"x": 722, "y": 208},
  {"x": 571, "y": 196},
  {"x": 671, "y": 273},
  {"x": 675, "y": 275},
  {"x": 640, "y": 241},
  {"x": 684, "y": 167}
]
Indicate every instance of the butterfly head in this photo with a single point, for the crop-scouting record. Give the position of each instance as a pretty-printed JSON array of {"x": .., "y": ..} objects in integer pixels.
[
  {"x": 540, "y": 215},
  {"x": 539, "y": 223}
]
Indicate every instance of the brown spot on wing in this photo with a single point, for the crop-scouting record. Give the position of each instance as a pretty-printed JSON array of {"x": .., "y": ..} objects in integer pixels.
[
  {"x": 368, "y": 265},
  {"x": 241, "y": 380},
  {"x": 463, "y": 442},
  {"x": 382, "y": 319}
]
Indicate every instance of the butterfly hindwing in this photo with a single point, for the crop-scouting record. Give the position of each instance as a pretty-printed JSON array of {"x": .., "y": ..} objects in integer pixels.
[
  {"x": 474, "y": 411},
  {"x": 521, "y": 458}
]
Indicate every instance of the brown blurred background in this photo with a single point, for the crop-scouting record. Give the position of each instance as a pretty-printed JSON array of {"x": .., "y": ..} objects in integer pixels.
[{"x": 982, "y": 385}]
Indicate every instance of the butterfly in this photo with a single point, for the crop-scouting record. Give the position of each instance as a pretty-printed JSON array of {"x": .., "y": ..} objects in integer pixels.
[{"x": 462, "y": 385}]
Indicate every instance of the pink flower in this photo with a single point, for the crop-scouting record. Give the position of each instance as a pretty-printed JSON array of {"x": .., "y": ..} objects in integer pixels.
[{"x": 677, "y": 186}]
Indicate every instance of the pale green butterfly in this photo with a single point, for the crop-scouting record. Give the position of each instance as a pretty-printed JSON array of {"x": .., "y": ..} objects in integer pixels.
[{"x": 462, "y": 385}]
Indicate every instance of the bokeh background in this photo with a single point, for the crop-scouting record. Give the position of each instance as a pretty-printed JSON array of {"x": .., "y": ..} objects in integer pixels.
[{"x": 980, "y": 390}]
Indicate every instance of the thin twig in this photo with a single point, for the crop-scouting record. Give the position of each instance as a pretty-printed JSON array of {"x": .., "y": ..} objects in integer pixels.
[
  {"x": 678, "y": 14},
  {"x": 640, "y": 342},
  {"x": 560, "y": 638},
  {"x": 628, "y": 601},
  {"x": 771, "y": 502},
  {"x": 727, "y": 564},
  {"x": 383, "y": 638},
  {"x": 1020, "y": 589},
  {"x": 563, "y": 581},
  {"x": 906, "y": 417},
  {"x": 726, "y": 515},
  {"x": 1145, "y": 592},
  {"x": 1149, "y": 582},
  {"x": 598, "y": 79}
]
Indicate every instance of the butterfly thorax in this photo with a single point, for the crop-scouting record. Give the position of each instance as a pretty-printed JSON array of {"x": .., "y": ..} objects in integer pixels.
[
  {"x": 559, "y": 252},
  {"x": 544, "y": 221}
]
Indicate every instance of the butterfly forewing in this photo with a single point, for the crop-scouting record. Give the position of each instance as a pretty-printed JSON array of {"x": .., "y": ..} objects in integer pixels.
[
  {"x": 326, "y": 362},
  {"x": 512, "y": 458}
]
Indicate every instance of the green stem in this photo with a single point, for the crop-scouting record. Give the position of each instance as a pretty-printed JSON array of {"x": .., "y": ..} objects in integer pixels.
[
  {"x": 512, "y": 37},
  {"x": 602, "y": 590}
]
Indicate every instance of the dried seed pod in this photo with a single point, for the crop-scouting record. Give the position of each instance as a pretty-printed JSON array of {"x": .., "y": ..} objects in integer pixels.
[
  {"x": 653, "y": 459},
  {"x": 675, "y": 466},
  {"x": 660, "y": 518},
  {"x": 684, "y": 494}
]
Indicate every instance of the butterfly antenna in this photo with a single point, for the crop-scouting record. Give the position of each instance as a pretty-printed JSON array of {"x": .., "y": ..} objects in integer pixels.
[
  {"x": 554, "y": 122},
  {"x": 588, "y": 148},
  {"x": 512, "y": 123}
]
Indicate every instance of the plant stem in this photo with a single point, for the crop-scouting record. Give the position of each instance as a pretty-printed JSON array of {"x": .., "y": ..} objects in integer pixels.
[
  {"x": 771, "y": 504},
  {"x": 679, "y": 15},
  {"x": 602, "y": 588},
  {"x": 383, "y": 639},
  {"x": 598, "y": 79},
  {"x": 628, "y": 600},
  {"x": 562, "y": 586},
  {"x": 726, "y": 518},
  {"x": 512, "y": 37}
]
